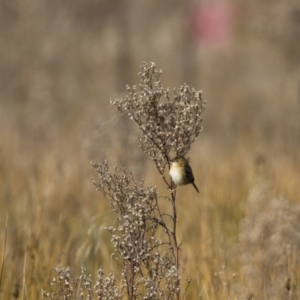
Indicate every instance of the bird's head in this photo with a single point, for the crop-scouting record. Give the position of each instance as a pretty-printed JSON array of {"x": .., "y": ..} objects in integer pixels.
[{"x": 180, "y": 161}]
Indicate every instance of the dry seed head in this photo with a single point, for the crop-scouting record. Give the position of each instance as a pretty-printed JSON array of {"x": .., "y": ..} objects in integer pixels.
[{"x": 166, "y": 123}]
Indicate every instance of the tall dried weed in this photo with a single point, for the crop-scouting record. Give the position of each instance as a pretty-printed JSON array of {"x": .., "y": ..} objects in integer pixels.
[
  {"x": 269, "y": 245},
  {"x": 145, "y": 241}
]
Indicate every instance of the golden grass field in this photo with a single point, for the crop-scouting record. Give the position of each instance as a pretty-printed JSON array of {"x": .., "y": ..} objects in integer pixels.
[{"x": 240, "y": 235}]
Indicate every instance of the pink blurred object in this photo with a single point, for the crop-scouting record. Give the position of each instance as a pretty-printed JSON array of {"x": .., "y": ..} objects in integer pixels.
[{"x": 212, "y": 23}]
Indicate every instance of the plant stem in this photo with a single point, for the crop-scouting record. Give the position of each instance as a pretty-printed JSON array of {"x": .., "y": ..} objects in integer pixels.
[{"x": 176, "y": 254}]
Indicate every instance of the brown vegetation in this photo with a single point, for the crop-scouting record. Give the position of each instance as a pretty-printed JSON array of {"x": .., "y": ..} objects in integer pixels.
[{"x": 61, "y": 62}]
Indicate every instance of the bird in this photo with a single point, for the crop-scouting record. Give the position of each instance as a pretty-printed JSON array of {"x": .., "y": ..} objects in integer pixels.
[{"x": 181, "y": 172}]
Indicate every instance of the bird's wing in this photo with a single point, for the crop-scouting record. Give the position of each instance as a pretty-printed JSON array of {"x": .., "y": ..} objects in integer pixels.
[{"x": 189, "y": 174}]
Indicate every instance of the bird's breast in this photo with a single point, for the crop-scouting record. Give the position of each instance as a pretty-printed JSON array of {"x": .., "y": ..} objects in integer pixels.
[{"x": 177, "y": 176}]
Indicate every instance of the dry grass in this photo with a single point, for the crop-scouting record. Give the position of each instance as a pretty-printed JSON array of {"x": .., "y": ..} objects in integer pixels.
[
  {"x": 57, "y": 219},
  {"x": 240, "y": 236}
]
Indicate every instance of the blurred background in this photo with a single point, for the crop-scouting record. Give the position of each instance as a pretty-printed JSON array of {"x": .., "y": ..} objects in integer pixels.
[{"x": 60, "y": 64}]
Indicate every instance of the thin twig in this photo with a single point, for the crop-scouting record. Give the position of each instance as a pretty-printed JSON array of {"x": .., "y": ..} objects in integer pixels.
[
  {"x": 24, "y": 277},
  {"x": 3, "y": 252}
]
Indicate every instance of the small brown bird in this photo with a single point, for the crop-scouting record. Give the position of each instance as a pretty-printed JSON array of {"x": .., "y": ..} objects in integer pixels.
[{"x": 181, "y": 172}]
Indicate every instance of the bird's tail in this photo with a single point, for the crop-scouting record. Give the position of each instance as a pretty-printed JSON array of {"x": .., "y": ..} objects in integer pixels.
[{"x": 194, "y": 185}]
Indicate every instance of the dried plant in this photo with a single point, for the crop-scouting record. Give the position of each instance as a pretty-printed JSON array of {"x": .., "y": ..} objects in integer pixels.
[
  {"x": 269, "y": 245},
  {"x": 149, "y": 266},
  {"x": 168, "y": 127},
  {"x": 81, "y": 288}
]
